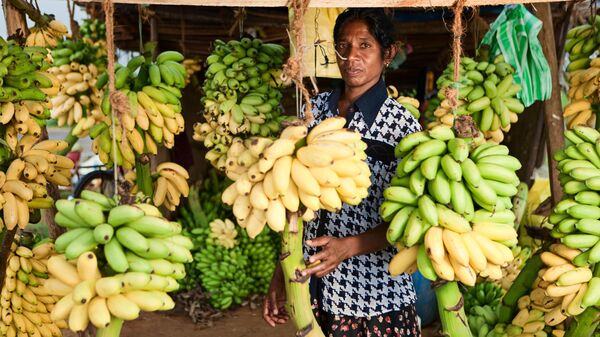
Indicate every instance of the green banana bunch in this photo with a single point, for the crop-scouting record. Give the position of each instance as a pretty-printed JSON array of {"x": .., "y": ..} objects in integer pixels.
[
  {"x": 575, "y": 218},
  {"x": 93, "y": 29},
  {"x": 481, "y": 305},
  {"x": 487, "y": 92},
  {"x": 68, "y": 51},
  {"x": 450, "y": 206},
  {"x": 133, "y": 237},
  {"x": 152, "y": 93},
  {"x": 582, "y": 41},
  {"x": 242, "y": 93}
]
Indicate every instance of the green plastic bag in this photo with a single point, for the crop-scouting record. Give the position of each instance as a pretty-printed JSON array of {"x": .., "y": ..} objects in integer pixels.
[{"x": 514, "y": 35}]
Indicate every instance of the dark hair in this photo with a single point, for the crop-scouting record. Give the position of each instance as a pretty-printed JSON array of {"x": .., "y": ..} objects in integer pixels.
[{"x": 380, "y": 24}]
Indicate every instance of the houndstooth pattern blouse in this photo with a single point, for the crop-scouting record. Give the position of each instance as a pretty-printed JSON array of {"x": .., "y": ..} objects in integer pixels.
[{"x": 361, "y": 286}]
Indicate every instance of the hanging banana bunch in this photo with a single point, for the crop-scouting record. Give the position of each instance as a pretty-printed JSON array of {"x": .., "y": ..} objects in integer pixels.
[
  {"x": 582, "y": 75},
  {"x": 242, "y": 94},
  {"x": 169, "y": 184},
  {"x": 154, "y": 109},
  {"x": 93, "y": 31},
  {"x": 486, "y": 92},
  {"x": 48, "y": 36},
  {"x": 192, "y": 66},
  {"x": 450, "y": 207},
  {"x": 76, "y": 66},
  {"x": 411, "y": 104},
  {"x": 25, "y": 303}
]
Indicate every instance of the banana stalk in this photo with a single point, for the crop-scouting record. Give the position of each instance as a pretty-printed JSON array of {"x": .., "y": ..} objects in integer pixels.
[
  {"x": 521, "y": 286},
  {"x": 452, "y": 310},
  {"x": 297, "y": 290},
  {"x": 112, "y": 330},
  {"x": 71, "y": 140},
  {"x": 143, "y": 178}
]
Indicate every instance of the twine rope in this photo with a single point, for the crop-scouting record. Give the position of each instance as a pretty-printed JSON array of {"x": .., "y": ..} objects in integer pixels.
[{"x": 457, "y": 33}]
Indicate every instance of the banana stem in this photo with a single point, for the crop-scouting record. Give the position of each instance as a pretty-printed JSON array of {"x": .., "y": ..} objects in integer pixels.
[
  {"x": 521, "y": 286},
  {"x": 144, "y": 178},
  {"x": 296, "y": 286},
  {"x": 452, "y": 310},
  {"x": 71, "y": 140},
  {"x": 112, "y": 330}
]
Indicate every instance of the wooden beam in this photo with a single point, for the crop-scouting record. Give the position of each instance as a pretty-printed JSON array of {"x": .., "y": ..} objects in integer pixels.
[
  {"x": 552, "y": 107},
  {"x": 14, "y": 19},
  {"x": 320, "y": 3}
]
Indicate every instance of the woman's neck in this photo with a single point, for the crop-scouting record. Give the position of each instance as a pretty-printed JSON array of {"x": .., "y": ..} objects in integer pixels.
[{"x": 350, "y": 95}]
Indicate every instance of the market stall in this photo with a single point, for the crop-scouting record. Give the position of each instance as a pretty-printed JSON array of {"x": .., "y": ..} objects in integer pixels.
[{"x": 213, "y": 171}]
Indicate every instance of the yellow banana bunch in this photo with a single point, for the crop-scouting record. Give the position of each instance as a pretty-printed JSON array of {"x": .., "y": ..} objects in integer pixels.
[
  {"x": 583, "y": 94},
  {"x": 47, "y": 36},
  {"x": 23, "y": 186},
  {"x": 218, "y": 140},
  {"x": 223, "y": 232},
  {"x": 411, "y": 104},
  {"x": 535, "y": 311},
  {"x": 87, "y": 297},
  {"x": 78, "y": 101},
  {"x": 323, "y": 174},
  {"x": 192, "y": 66},
  {"x": 171, "y": 185},
  {"x": 24, "y": 302}
]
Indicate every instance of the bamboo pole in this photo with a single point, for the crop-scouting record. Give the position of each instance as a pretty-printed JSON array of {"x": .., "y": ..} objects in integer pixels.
[
  {"x": 15, "y": 19},
  {"x": 296, "y": 285},
  {"x": 552, "y": 107}
]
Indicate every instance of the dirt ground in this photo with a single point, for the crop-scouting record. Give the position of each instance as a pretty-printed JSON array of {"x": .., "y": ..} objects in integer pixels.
[{"x": 243, "y": 322}]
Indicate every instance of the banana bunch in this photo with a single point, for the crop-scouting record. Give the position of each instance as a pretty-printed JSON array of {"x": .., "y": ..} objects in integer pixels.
[
  {"x": 133, "y": 237},
  {"x": 93, "y": 31},
  {"x": 171, "y": 185},
  {"x": 512, "y": 270},
  {"x": 411, "y": 104},
  {"x": 575, "y": 218},
  {"x": 22, "y": 73},
  {"x": 25, "y": 303},
  {"x": 581, "y": 42},
  {"x": 23, "y": 186},
  {"x": 78, "y": 101},
  {"x": 47, "y": 36},
  {"x": 481, "y": 302},
  {"x": 326, "y": 172},
  {"x": 153, "y": 93},
  {"x": 231, "y": 275},
  {"x": 223, "y": 232},
  {"x": 487, "y": 92},
  {"x": 87, "y": 297},
  {"x": 449, "y": 206},
  {"x": 543, "y": 310},
  {"x": 242, "y": 92},
  {"x": 192, "y": 66},
  {"x": 583, "y": 95}
]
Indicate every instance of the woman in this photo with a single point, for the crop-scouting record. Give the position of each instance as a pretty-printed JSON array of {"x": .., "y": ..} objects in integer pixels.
[{"x": 353, "y": 293}]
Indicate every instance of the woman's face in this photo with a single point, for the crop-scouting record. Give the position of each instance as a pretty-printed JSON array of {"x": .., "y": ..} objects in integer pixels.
[{"x": 359, "y": 55}]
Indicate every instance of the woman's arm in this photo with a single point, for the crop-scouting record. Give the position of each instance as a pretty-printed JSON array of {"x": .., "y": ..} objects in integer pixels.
[{"x": 335, "y": 250}]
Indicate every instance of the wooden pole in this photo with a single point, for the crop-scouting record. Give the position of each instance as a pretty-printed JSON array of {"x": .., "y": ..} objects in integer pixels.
[
  {"x": 15, "y": 19},
  {"x": 552, "y": 107}
]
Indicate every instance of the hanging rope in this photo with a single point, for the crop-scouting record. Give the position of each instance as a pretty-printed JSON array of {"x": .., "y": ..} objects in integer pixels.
[
  {"x": 118, "y": 101},
  {"x": 292, "y": 69},
  {"x": 457, "y": 32}
]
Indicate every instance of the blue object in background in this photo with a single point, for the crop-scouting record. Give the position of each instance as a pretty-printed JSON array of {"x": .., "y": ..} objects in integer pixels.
[{"x": 426, "y": 302}]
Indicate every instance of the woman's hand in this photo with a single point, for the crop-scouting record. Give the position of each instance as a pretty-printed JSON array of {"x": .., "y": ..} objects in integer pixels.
[
  {"x": 274, "y": 304},
  {"x": 333, "y": 252}
]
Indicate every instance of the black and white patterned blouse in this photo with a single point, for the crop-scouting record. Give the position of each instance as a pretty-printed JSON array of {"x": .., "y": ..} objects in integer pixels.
[{"x": 361, "y": 286}]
